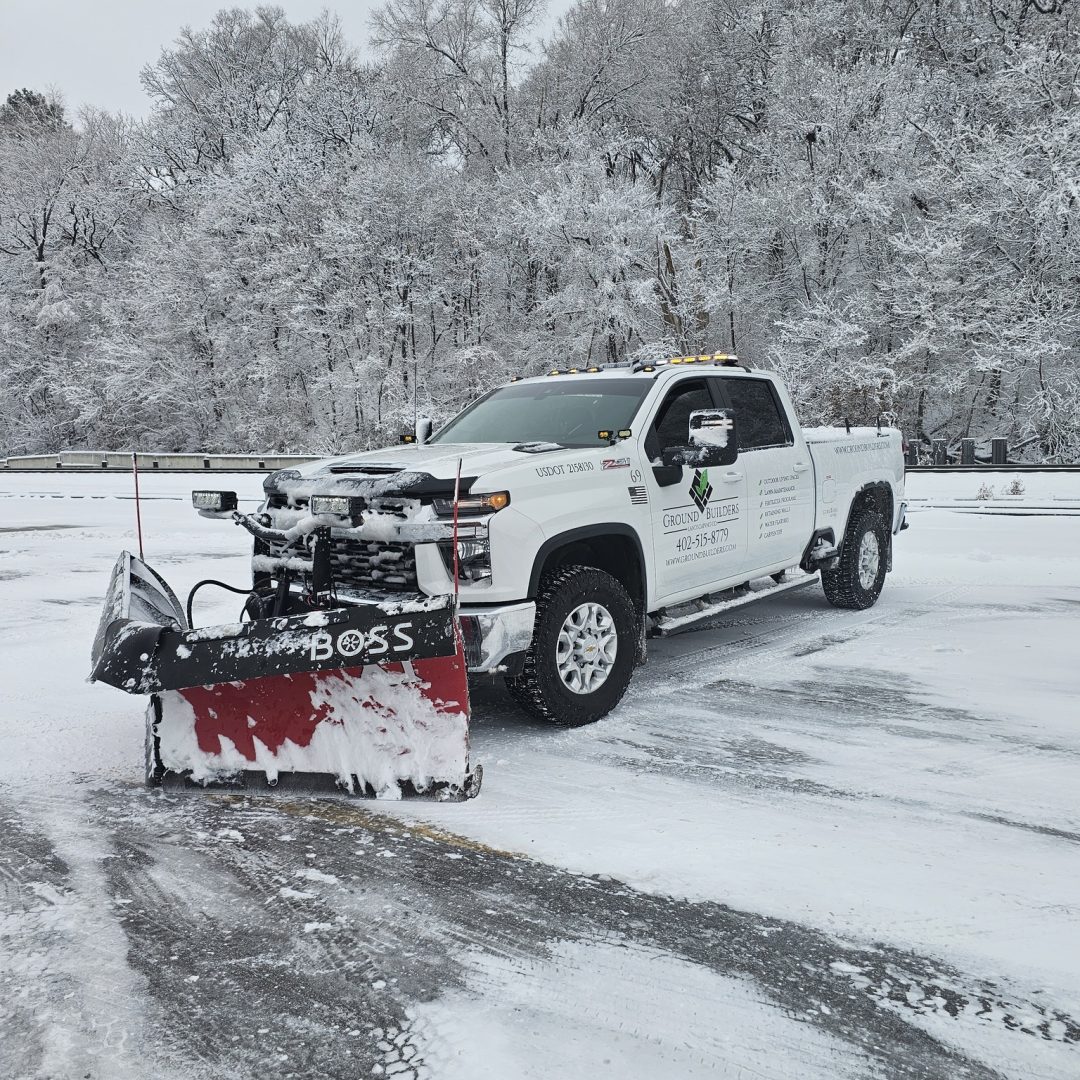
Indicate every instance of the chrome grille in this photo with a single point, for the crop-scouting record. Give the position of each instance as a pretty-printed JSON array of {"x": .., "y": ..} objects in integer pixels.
[{"x": 382, "y": 564}]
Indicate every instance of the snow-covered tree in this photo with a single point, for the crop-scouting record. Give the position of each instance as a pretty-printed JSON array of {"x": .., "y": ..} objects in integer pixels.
[{"x": 299, "y": 250}]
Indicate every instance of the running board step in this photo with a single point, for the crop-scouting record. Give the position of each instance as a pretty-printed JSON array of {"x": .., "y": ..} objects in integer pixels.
[{"x": 673, "y": 620}]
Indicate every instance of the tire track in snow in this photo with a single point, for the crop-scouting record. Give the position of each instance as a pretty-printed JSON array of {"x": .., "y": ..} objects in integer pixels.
[
  {"x": 640, "y": 737},
  {"x": 32, "y": 881},
  {"x": 82, "y": 1003},
  {"x": 390, "y": 932},
  {"x": 779, "y": 640},
  {"x": 249, "y": 973}
]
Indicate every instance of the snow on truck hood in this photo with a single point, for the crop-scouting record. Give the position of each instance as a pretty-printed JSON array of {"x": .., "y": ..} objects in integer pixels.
[{"x": 436, "y": 460}]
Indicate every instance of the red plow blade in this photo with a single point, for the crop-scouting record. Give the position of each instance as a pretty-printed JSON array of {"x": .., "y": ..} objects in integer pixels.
[{"x": 369, "y": 699}]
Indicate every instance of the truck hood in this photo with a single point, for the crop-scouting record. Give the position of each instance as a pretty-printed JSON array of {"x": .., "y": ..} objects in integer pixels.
[{"x": 438, "y": 461}]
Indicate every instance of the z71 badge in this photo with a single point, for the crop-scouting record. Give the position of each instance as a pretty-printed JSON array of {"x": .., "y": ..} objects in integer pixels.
[{"x": 615, "y": 463}]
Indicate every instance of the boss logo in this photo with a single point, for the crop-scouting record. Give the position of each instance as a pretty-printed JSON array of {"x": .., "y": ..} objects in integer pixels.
[{"x": 377, "y": 641}]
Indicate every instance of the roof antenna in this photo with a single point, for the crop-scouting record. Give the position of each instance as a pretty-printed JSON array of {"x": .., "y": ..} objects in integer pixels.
[
  {"x": 847, "y": 424},
  {"x": 415, "y": 375},
  {"x": 138, "y": 511}
]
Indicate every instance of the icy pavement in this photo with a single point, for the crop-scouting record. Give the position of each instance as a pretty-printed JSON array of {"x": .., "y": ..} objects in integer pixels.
[{"x": 810, "y": 844}]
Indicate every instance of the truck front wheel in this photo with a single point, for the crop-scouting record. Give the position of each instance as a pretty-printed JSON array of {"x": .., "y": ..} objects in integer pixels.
[
  {"x": 856, "y": 582},
  {"x": 583, "y": 648}
]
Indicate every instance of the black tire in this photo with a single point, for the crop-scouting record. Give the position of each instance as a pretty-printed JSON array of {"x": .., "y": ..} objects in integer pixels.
[
  {"x": 844, "y": 588},
  {"x": 154, "y": 770},
  {"x": 540, "y": 689}
]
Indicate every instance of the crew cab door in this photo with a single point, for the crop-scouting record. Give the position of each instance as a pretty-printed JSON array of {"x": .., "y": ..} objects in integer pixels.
[
  {"x": 779, "y": 473},
  {"x": 698, "y": 515}
]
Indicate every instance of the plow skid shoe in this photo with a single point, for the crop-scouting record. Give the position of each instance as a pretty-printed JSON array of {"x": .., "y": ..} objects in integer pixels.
[{"x": 370, "y": 699}]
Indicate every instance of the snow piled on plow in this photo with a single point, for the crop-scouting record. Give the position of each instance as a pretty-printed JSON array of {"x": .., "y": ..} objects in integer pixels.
[{"x": 372, "y": 727}]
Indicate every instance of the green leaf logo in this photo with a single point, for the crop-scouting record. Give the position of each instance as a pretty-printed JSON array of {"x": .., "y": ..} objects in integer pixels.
[{"x": 701, "y": 489}]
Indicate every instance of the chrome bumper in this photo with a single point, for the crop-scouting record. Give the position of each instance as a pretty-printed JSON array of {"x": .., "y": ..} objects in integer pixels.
[{"x": 495, "y": 634}]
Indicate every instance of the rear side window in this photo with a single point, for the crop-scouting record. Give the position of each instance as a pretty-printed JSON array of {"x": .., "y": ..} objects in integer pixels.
[{"x": 758, "y": 414}]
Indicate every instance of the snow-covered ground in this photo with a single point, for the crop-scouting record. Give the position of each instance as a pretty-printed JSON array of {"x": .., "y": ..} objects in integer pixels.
[
  {"x": 810, "y": 843},
  {"x": 991, "y": 490}
]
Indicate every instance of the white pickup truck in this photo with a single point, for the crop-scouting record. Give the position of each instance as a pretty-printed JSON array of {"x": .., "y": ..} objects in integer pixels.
[{"x": 597, "y": 506}]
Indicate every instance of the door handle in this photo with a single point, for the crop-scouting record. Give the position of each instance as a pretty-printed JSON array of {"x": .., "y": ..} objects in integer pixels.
[
  {"x": 732, "y": 477},
  {"x": 801, "y": 466}
]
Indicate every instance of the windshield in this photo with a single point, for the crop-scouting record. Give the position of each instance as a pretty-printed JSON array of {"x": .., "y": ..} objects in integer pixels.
[{"x": 568, "y": 410}]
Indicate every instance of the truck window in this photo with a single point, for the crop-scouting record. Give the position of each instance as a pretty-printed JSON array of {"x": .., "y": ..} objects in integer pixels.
[
  {"x": 566, "y": 409},
  {"x": 672, "y": 424},
  {"x": 758, "y": 414}
]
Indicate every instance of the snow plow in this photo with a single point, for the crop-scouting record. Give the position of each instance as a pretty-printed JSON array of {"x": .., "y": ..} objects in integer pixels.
[{"x": 304, "y": 692}]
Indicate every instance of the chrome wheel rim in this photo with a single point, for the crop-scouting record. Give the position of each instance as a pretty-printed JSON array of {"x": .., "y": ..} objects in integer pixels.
[
  {"x": 586, "y": 650},
  {"x": 869, "y": 560}
]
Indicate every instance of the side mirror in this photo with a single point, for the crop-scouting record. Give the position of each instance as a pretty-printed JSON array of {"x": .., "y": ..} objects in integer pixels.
[
  {"x": 421, "y": 434},
  {"x": 713, "y": 441},
  {"x": 714, "y": 432}
]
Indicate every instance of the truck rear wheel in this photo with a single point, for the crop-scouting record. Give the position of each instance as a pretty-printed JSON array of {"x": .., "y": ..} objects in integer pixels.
[
  {"x": 857, "y": 580},
  {"x": 584, "y": 645}
]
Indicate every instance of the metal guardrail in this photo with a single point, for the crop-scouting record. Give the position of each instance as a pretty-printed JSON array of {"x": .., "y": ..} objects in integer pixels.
[
  {"x": 986, "y": 468},
  {"x": 118, "y": 461}
]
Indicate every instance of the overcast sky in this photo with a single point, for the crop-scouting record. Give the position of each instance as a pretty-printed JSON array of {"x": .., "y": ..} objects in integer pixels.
[{"x": 93, "y": 50}]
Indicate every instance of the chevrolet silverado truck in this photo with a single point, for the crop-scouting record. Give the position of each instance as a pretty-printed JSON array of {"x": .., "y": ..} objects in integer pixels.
[{"x": 578, "y": 513}]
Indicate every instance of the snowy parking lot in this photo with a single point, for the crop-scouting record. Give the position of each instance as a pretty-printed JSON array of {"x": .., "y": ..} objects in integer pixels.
[{"x": 809, "y": 844}]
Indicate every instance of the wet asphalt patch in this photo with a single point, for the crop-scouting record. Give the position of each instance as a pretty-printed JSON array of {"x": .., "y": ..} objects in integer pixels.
[
  {"x": 295, "y": 935},
  {"x": 35, "y": 528},
  {"x": 33, "y": 882}
]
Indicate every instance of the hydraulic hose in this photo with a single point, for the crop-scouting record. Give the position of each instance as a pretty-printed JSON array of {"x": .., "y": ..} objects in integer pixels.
[{"x": 221, "y": 585}]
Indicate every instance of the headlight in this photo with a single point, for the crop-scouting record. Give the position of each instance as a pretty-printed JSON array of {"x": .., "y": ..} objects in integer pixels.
[
  {"x": 342, "y": 506},
  {"x": 221, "y": 502},
  {"x": 473, "y": 505},
  {"x": 474, "y": 558}
]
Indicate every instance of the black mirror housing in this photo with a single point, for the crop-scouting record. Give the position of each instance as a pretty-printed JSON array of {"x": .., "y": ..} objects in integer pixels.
[
  {"x": 715, "y": 432},
  {"x": 714, "y": 441}
]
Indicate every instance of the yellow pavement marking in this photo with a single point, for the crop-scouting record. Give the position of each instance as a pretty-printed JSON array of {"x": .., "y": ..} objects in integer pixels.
[{"x": 341, "y": 813}]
